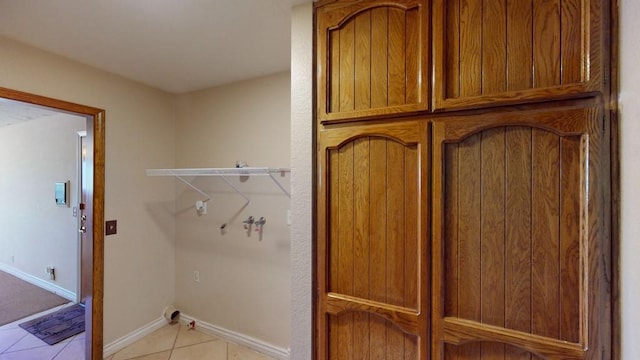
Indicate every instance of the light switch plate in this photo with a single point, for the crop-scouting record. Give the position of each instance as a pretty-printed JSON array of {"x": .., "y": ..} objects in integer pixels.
[{"x": 111, "y": 227}]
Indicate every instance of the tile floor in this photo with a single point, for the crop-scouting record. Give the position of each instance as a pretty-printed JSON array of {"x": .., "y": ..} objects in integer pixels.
[
  {"x": 171, "y": 342},
  {"x": 177, "y": 342},
  {"x": 18, "y": 344}
]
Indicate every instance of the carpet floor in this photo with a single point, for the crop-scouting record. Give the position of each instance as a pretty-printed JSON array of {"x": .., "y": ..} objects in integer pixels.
[
  {"x": 19, "y": 299},
  {"x": 57, "y": 326}
]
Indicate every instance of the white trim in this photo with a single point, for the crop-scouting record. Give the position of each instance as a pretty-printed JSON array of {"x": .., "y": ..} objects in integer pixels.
[
  {"x": 236, "y": 338},
  {"x": 130, "y": 338},
  {"x": 58, "y": 290}
]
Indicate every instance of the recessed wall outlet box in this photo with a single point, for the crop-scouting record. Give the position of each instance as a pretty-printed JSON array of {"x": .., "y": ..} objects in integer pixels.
[{"x": 196, "y": 276}]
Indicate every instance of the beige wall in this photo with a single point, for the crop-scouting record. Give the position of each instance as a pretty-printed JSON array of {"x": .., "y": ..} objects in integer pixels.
[
  {"x": 301, "y": 180},
  {"x": 630, "y": 176},
  {"x": 139, "y": 260},
  {"x": 244, "y": 280},
  {"x": 246, "y": 121},
  {"x": 33, "y": 156}
]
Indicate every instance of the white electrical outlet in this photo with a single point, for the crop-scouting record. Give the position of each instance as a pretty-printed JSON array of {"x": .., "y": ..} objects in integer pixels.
[{"x": 196, "y": 276}]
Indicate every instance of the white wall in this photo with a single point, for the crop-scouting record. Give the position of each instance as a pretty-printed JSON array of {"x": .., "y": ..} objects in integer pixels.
[
  {"x": 630, "y": 176},
  {"x": 244, "y": 280},
  {"x": 139, "y": 260},
  {"x": 35, "y": 232},
  {"x": 301, "y": 180}
]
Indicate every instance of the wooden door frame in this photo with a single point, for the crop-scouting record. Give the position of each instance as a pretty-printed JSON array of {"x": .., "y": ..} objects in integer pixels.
[{"x": 95, "y": 127}]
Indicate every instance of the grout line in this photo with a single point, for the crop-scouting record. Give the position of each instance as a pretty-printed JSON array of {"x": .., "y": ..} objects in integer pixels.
[
  {"x": 61, "y": 350},
  {"x": 17, "y": 341},
  {"x": 173, "y": 346}
]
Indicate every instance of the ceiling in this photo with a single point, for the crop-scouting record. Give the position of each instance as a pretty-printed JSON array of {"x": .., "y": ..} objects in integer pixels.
[
  {"x": 174, "y": 45},
  {"x": 13, "y": 112}
]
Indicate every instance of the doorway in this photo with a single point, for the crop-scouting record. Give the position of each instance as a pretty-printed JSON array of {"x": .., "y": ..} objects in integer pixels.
[{"x": 92, "y": 211}]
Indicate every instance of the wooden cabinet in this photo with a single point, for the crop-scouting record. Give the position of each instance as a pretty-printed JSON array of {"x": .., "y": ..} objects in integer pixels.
[
  {"x": 493, "y": 52},
  {"x": 372, "y": 265},
  {"x": 372, "y": 58},
  {"x": 463, "y": 185},
  {"x": 520, "y": 259}
]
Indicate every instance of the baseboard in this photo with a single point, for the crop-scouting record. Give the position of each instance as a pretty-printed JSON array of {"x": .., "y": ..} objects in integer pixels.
[
  {"x": 236, "y": 338},
  {"x": 58, "y": 290},
  {"x": 130, "y": 338},
  {"x": 222, "y": 333}
]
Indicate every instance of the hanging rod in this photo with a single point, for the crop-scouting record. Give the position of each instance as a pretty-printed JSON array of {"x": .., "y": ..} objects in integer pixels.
[{"x": 223, "y": 172}]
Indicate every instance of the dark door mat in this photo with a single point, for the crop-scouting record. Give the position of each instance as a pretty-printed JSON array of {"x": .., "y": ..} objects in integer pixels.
[{"x": 55, "y": 327}]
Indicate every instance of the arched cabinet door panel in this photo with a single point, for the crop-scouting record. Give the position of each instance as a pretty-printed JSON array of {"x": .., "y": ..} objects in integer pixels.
[
  {"x": 494, "y": 52},
  {"x": 372, "y": 273},
  {"x": 521, "y": 259},
  {"x": 371, "y": 58}
]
